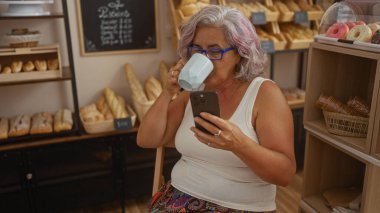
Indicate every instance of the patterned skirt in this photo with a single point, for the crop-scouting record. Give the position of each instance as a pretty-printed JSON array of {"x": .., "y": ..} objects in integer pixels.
[{"x": 170, "y": 199}]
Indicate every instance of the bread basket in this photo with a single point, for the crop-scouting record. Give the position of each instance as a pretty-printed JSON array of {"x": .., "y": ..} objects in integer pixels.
[
  {"x": 346, "y": 125},
  {"x": 107, "y": 125},
  {"x": 19, "y": 41}
]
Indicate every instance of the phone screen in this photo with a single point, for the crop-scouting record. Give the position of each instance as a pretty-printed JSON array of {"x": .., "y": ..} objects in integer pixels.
[{"x": 204, "y": 101}]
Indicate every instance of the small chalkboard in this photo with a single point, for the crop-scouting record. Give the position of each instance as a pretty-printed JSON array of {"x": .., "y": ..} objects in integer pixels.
[
  {"x": 123, "y": 124},
  {"x": 268, "y": 46},
  {"x": 258, "y": 18},
  {"x": 301, "y": 17},
  {"x": 117, "y": 26}
]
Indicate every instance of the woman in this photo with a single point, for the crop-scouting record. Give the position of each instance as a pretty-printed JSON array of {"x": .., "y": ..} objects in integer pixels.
[{"x": 236, "y": 169}]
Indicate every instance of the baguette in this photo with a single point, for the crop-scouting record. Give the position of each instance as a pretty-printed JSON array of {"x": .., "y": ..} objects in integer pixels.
[
  {"x": 134, "y": 84},
  {"x": 117, "y": 108},
  {"x": 153, "y": 88},
  {"x": 102, "y": 106}
]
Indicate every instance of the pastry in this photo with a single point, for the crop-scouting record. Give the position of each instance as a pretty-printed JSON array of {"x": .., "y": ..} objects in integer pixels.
[
  {"x": 4, "y": 126},
  {"x": 52, "y": 64},
  {"x": 42, "y": 123},
  {"x": 189, "y": 9},
  {"x": 16, "y": 66},
  {"x": 40, "y": 65},
  {"x": 91, "y": 114},
  {"x": 102, "y": 106},
  {"x": 19, "y": 125},
  {"x": 376, "y": 37},
  {"x": 6, "y": 70},
  {"x": 22, "y": 31},
  {"x": 117, "y": 108},
  {"x": 359, "y": 105},
  {"x": 63, "y": 120},
  {"x": 28, "y": 66},
  {"x": 331, "y": 104},
  {"x": 153, "y": 88}
]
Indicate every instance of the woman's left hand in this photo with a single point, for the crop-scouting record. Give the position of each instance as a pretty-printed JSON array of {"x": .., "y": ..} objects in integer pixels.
[{"x": 225, "y": 135}]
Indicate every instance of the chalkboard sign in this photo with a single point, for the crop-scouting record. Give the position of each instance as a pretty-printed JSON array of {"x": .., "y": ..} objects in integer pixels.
[{"x": 118, "y": 26}]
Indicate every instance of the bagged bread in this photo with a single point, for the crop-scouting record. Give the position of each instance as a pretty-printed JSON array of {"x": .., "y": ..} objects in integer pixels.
[
  {"x": 19, "y": 125},
  {"x": 63, "y": 120},
  {"x": 42, "y": 123},
  {"x": 153, "y": 88},
  {"x": 134, "y": 84}
]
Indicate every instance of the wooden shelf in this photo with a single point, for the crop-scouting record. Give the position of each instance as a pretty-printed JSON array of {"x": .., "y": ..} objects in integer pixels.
[
  {"x": 318, "y": 203},
  {"x": 51, "y": 16},
  {"x": 296, "y": 104}
]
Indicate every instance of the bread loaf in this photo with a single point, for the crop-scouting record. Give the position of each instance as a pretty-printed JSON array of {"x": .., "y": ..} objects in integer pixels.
[
  {"x": 42, "y": 123},
  {"x": 117, "y": 108},
  {"x": 4, "y": 128},
  {"x": 28, "y": 66},
  {"x": 63, "y": 120},
  {"x": 359, "y": 105},
  {"x": 153, "y": 88},
  {"x": 90, "y": 114},
  {"x": 331, "y": 104},
  {"x": 19, "y": 125},
  {"x": 134, "y": 84},
  {"x": 102, "y": 106},
  {"x": 6, "y": 70},
  {"x": 40, "y": 65},
  {"x": 16, "y": 66},
  {"x": 52, "y": 64}
]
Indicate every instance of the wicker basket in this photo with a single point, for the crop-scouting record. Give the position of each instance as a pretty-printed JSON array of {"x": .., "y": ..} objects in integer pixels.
[{"x": 346, "y": 125}]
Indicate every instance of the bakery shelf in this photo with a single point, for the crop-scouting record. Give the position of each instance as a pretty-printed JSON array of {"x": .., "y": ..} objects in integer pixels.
[
  {"x": 316, "y": 203},
  {"x": 299, "y": 103},
  {"x": 51, "y": 16},
  {"x": 66, "y": 76}
]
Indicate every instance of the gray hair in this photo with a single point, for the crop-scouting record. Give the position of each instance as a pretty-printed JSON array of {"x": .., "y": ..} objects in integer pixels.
[{"x": 239, "y": 33}]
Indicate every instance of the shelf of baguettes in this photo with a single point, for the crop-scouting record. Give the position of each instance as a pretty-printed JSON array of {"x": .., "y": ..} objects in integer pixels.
[
  {"x": 251, "y": 7},
  {"x": 297, "y": 36},
  {"x": 288, "y": 9},
  {"x": 30, "y": 64},
  {"x": 266, "y": 33},
  {"x": 341, "y": 73},
  {"x": 333, "y": 177},
  {"x": 51, "y": 16}
]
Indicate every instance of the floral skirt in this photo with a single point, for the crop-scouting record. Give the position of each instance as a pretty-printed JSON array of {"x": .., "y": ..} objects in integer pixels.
[{"x": 170, "y": 199}]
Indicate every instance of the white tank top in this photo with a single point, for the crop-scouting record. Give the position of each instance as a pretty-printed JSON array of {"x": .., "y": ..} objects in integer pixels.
[{"x": 219, "y": 176}]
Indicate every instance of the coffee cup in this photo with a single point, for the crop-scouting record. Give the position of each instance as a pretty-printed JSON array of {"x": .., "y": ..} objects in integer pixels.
[{"x": 195, "y": 72}]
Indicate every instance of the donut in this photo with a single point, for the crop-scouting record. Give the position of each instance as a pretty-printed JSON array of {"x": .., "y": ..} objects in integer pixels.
[
  {"x": 376, "y": 37},
  {"x": 360, "y": 23},
  {"x": 337, "y": 30},
  {"x": 350, "y": 24},
  {"x": 360, "y": 33},
  {"x": 374, "y": 27}
]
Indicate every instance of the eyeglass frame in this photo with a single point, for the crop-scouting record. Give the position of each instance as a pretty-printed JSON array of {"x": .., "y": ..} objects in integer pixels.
[{"x": 205, "y": 52}]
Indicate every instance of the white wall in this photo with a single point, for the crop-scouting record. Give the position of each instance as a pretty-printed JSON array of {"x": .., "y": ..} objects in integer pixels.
[{"x": 96, "y": 72}]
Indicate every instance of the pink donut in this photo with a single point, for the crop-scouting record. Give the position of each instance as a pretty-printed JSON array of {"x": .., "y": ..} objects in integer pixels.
[
  {"x": 360, "y": 33},
  {"x": 360, "y": 23},
  {"x": 337, "y": 30},
  {"x": 350, "y": 24}
]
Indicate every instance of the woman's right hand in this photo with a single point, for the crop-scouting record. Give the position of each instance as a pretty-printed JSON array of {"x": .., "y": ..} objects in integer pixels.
[{"x": 172, "y": 85}]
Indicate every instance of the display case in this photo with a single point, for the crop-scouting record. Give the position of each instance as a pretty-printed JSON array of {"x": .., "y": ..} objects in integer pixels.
[{"x": 333, "y": 160}]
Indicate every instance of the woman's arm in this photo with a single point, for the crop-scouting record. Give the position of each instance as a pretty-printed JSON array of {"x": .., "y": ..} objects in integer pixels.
[
  {"x": 273, "y": 159},
  {"x": 160, "y": 123}
]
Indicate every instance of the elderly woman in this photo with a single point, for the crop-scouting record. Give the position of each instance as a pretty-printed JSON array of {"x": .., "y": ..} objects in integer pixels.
[{"x": 238, "y": 168}]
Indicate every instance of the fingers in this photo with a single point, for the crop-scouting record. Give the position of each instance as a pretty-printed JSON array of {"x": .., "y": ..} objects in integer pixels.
[
  {"x": 172, "y": 81},
  {"x": 217, "y": 121}
]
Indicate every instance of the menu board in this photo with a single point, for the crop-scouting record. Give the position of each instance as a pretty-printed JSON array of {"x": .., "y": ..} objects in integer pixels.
[{"x": 117, "y": 26}]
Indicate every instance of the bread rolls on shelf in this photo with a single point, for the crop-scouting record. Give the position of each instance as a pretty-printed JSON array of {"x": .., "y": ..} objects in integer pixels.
[
  {"x": 117, "y": 107},
  {"x": 90, "y": 113},
  {"x": 153, "y": 88},
  {"x": 40, "y": 65},
  {"x": 42, "y": 123},
  {"x": 52, "y": 64},
  {"x": 16, "y": 66},
  {"x": 4, "y": 128},
  {"x": 6, "y": 70},
  {"x": 63, "y": 120},
  {"x": 28, "y": 66},
  {"x": 19, "y": 125}
]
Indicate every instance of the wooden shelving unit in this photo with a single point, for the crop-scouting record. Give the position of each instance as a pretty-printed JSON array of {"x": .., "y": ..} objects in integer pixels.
[{"x": 333, "y": 161}]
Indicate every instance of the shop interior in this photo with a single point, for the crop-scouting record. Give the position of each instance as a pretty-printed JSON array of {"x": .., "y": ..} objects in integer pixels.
[{"x": 60, "y": 57}]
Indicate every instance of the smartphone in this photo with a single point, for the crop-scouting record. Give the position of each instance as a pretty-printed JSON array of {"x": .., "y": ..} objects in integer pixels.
[{"x": 204, "y": 101}]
